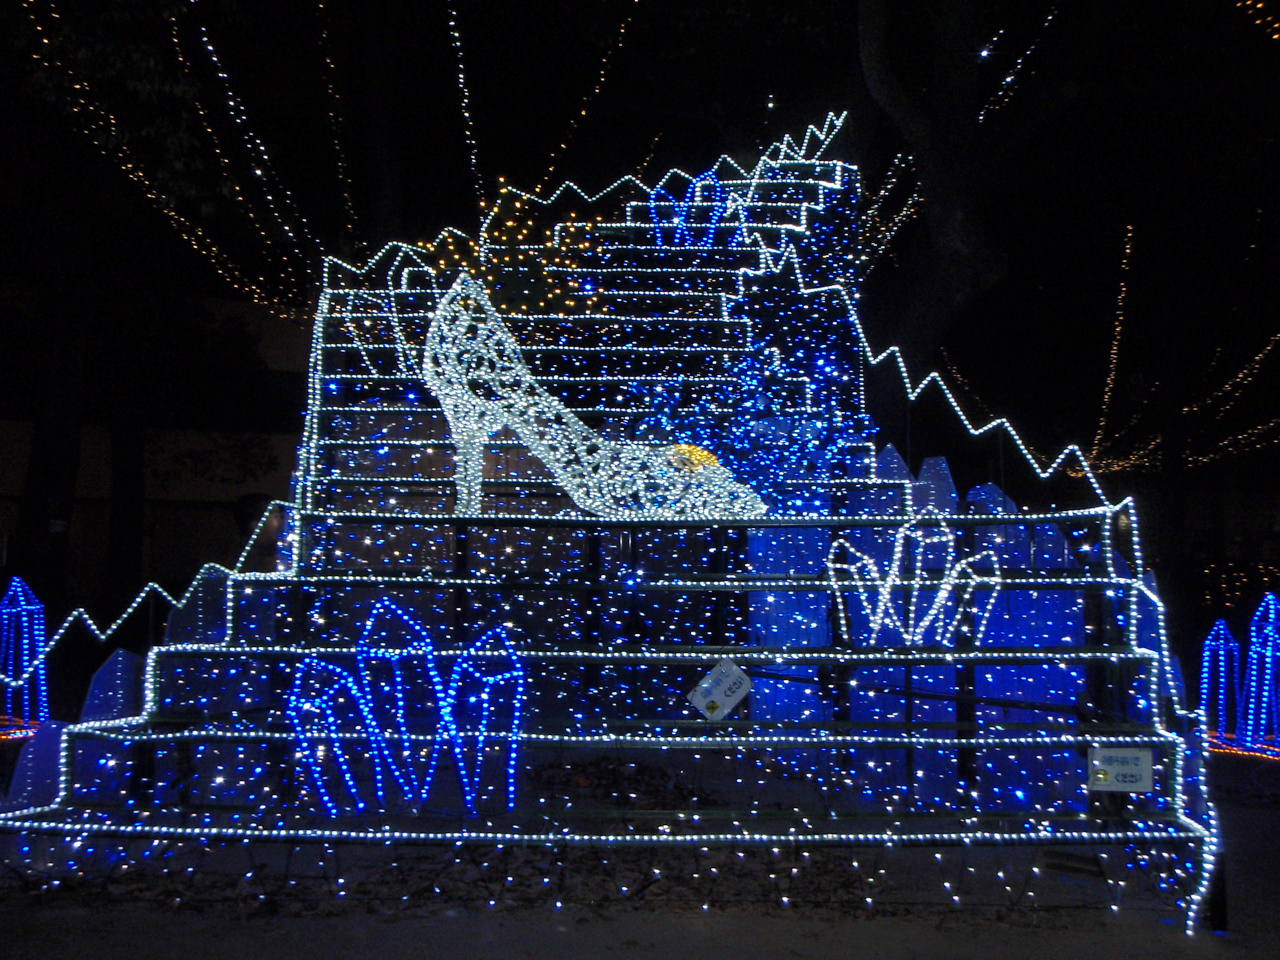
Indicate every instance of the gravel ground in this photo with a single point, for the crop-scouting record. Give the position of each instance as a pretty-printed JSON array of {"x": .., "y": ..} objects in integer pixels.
[
  {"x": 84, "y": 925},
  {"x": 541, "y": 934}
]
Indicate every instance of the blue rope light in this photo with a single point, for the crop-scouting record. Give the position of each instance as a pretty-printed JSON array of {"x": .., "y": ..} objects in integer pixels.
[
  {"x": 1220, "y": 679},
  {"x": 395, "y": 695},
  {"x": 1240, "y": 691},
  {"x": 693, "y": 220},
  {"x": 23, "y": 647}
]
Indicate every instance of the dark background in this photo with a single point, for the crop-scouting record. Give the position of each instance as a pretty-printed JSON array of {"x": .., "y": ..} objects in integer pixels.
[{"x": 150, "y": 402}]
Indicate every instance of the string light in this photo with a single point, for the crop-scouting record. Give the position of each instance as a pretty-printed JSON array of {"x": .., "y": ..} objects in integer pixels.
[
  {"x": 22, "y": 662},
  {"x": 329, "y": 707},
  {"x": 1230, "y": 582},
  {"x": 288, "y": 272},
  {"x": 473, "y": 367},
  {"x": 279, "y": 200},
  {"x": 1257, "y": 10},
  {"x": 464, "y": 105},
  {"x": 931, "y": 610},
  {"x": 334, "y": 113},
  {"x": 1145, "y": 454},
  {"x": 35, "y": 664},
  {"x": 1242, "y": 703},
  {"x": 601, "y": 75},
  {"x": 1227, "y": 394},
  {"x": 1260, "y": 720},
  {"x": 1246, "y": 441},
  {"x": 876, "y": 228},
  {"x": 1009, "y": 82},
  {"x": 105, "y": 131},
  {"x": 1220, "y": 679},
  {"x": 989, "y": 47},
  {"x": 1113, "y": 357}
]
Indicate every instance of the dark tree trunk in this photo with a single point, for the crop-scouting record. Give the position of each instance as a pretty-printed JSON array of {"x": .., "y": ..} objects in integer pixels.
[{"x": 46, "y": 513}]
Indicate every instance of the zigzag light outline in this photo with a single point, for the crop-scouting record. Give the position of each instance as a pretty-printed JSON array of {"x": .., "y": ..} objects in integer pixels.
[{"x": 80, "y": 614}]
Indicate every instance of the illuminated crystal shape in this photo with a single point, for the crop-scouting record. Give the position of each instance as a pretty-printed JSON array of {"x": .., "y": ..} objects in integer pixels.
[
  {"x": 1260, "y": 723},
  {"x": 1220, "y": 680},
  {"x": 902, "y": 601},
  {"x": 23, "y": 647}
]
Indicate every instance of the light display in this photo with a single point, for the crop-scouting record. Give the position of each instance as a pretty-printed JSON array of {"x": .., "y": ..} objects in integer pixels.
[
  {"x": 692, "y": 221},
  {"x": 464, "y": 105},
  {"x": 580, "y": 114},
  {"x": 552, "y": 477},
  {"x": 334, "y": 114},
  {"x": 917, "y": 608},
  {"x": 473, "y": 367},
  {"x": 23, "y": 647},
  {"x": 257, "y": 194},
  {"x": 1257, "y": 9},
  {"x": 1220, "y": 679},
  {"x": 1113, "y": 356},
  {"x": 1241, "y": 697}
]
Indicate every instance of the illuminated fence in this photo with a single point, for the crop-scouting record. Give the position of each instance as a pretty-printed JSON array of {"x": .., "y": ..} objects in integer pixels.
[{"x": 1240, "y": 692}]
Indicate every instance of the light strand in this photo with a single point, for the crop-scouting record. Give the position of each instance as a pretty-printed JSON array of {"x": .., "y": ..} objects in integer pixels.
[
  {"x": 104, "y": 130},
  {"x": 468, "y": 121},
  {"x": 1113, "y": 355},
  {"x": 335, "y": 113},
  {"x": 1009, "y": 82},
  {"x": 1258, "y": 13},
  {"x": 601, "y": 75}
]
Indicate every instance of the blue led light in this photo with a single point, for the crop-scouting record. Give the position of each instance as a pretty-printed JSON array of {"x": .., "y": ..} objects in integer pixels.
[
  {"x": 693, "y": 220},
  {"x": 23, "y": 648},
  {"x": 1220, "y": 679},
  {"x": 1260, "y": 716},
  {"x": 361, "y": 732}
]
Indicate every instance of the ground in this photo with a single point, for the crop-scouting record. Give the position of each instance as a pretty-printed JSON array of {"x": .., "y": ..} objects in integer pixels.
[{"x": 75, "y": 924}]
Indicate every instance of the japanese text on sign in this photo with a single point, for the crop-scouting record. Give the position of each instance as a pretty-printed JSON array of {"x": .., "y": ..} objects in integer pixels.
[
  {"x": 1121, "y": 769},
  {"x": 720, "y": 690}
]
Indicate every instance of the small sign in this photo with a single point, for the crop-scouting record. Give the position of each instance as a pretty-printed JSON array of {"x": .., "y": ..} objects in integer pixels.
[
  {"x": 720, "y": 690},
  {"x": 1120, "y": 769}
]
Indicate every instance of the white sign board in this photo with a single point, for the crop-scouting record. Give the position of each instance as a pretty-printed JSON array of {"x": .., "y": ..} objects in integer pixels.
[
  {"x": 1122, "y": 769},
  {"x": 720, "y": 690}
]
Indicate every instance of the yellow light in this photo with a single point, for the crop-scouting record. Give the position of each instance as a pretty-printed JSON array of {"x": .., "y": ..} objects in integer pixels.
[{"x": 688, "y": 456}]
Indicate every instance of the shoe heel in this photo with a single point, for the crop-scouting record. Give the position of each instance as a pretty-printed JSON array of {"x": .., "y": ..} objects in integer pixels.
[{"x": 470, "y": 437}]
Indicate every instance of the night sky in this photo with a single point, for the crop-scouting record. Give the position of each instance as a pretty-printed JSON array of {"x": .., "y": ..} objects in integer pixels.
[{"x": 1157, "y": 116}]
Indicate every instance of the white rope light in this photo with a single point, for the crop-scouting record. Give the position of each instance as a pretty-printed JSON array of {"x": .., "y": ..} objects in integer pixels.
[
  {"x": 474, "y": 368},
  {"x": 930, "y": 608}
]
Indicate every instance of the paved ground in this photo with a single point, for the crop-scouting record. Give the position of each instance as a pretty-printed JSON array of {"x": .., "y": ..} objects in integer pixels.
[
  {"x": 542, "y": 934},
  {"x": 70, "y": 926}
]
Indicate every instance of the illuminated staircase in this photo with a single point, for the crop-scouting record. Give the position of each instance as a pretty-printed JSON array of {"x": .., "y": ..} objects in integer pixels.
[{"x": 899, "y": 696}]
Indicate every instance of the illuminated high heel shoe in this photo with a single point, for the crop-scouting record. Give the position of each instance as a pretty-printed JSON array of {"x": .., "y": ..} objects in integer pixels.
[{"x": 473, "y": 366}]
